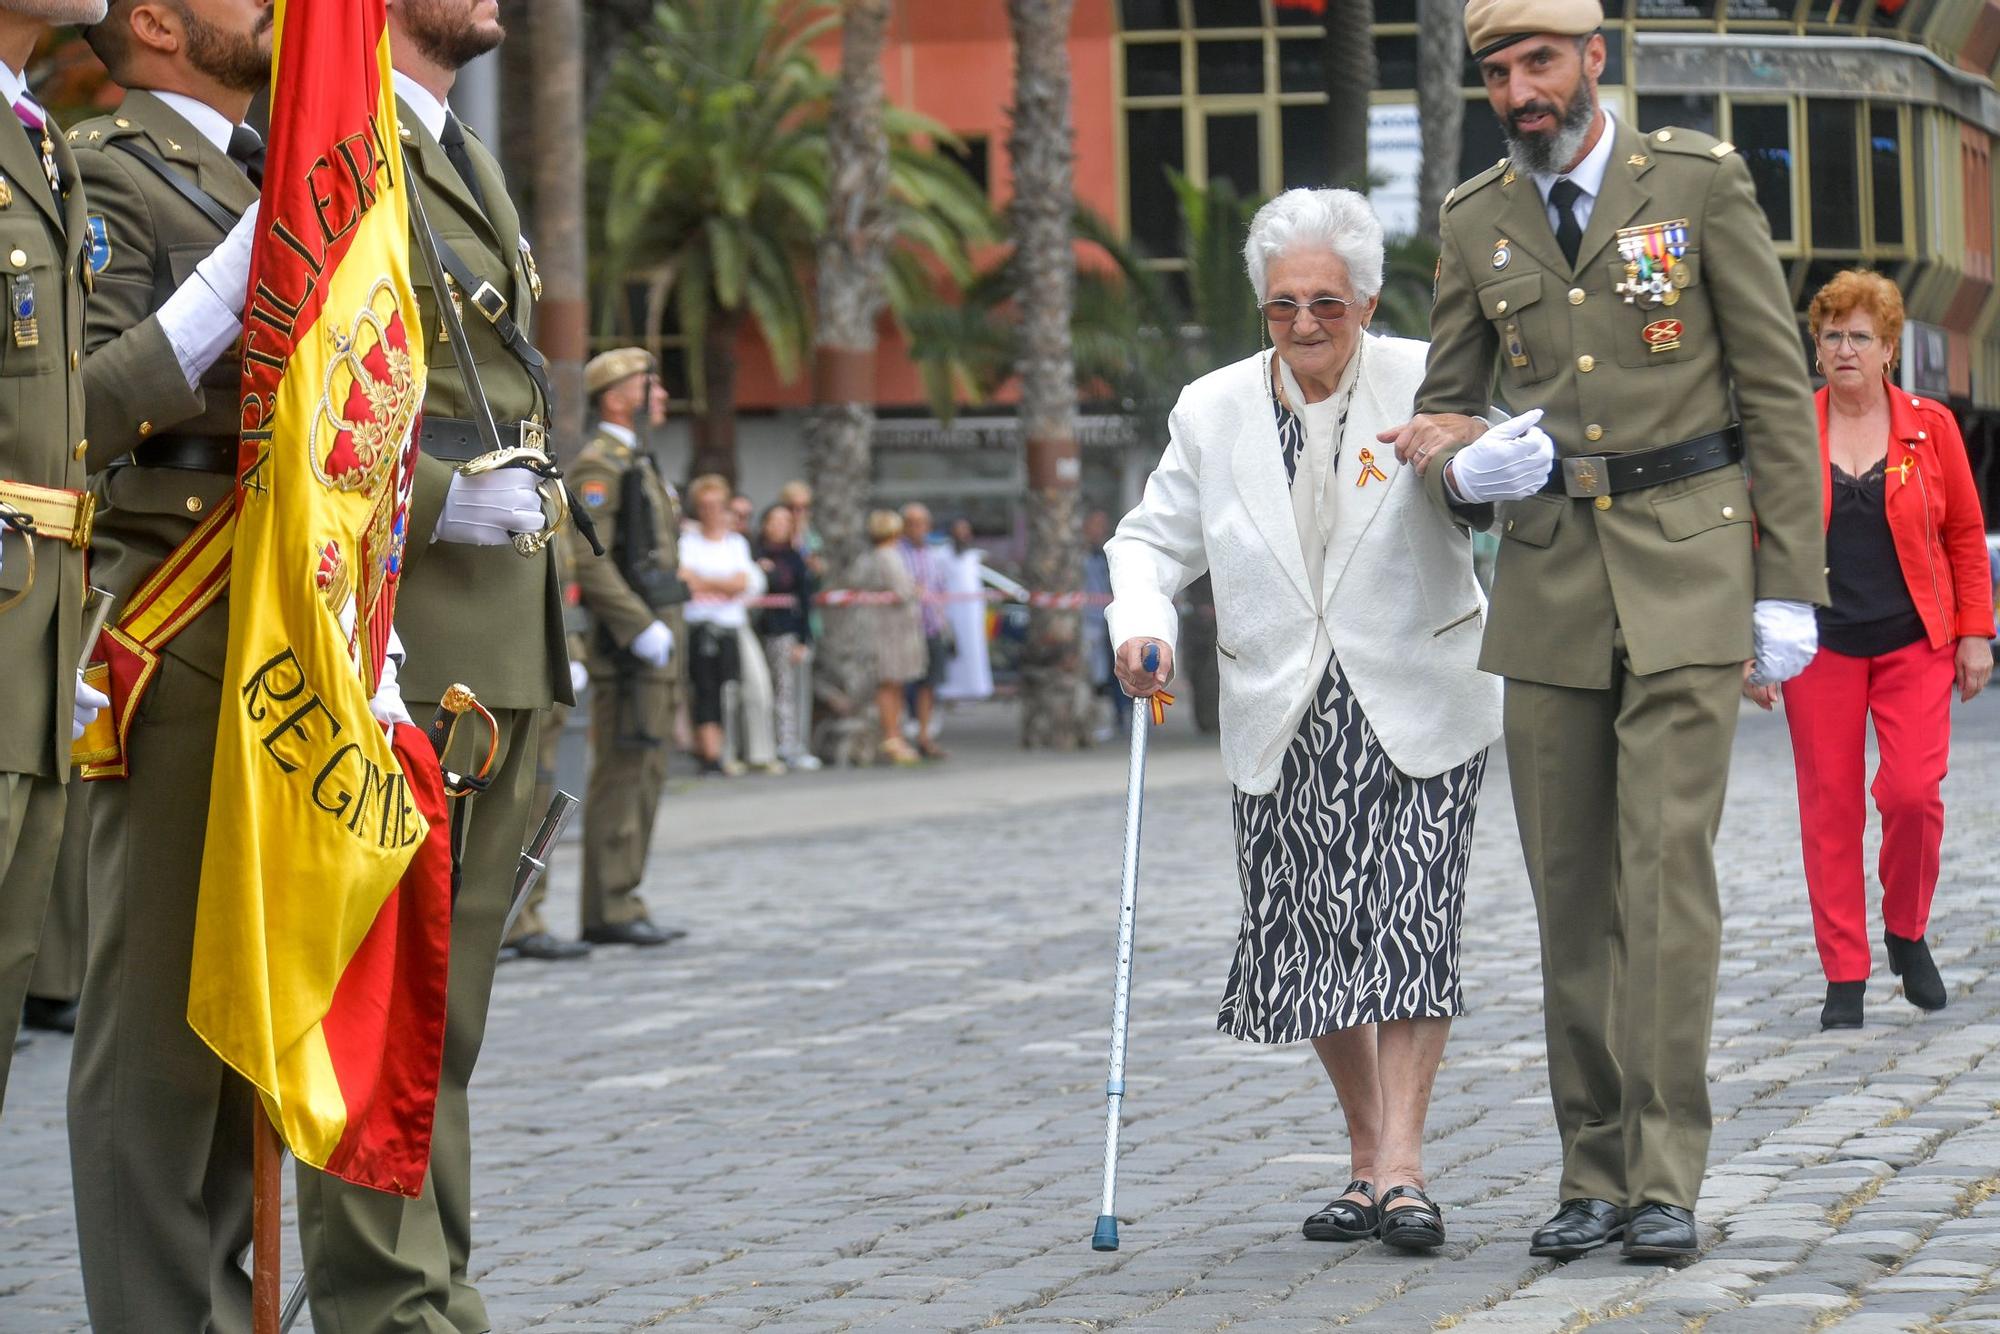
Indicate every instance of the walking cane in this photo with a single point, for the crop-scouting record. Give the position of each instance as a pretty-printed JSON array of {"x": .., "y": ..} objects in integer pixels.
[{"x": 1146, "y": 713}]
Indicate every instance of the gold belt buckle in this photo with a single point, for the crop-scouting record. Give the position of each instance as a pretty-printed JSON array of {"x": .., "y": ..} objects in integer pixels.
[{"x": 1586, "y": 477}]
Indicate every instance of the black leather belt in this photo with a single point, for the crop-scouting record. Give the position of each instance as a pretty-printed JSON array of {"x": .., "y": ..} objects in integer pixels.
[
  {"x": 191, "y": 453},
  {"x": 458, "y": 441},
  {"x": 1612, "y": 474}
]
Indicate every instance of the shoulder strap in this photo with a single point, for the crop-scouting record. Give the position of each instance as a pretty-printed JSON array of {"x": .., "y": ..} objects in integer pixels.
[
  {"x": 487, "y": 300},
  {"x": 205, "y": 203}
]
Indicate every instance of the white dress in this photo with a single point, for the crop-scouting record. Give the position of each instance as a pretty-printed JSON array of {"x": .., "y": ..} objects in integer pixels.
[{"x": 969, "y": 674}]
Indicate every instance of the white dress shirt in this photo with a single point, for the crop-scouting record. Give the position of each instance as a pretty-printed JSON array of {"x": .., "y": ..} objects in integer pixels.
[
  {"x": 430, "y": 111},
  {"x": 14, "y": 87},
  {"x": 624, "y": 435},
  {"x": 1588, "y": 177},
  {"x": 209, "y": 123}
]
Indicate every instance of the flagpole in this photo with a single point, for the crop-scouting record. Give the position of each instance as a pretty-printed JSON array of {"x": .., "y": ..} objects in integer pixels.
[{"x": 267, "y": 1209}]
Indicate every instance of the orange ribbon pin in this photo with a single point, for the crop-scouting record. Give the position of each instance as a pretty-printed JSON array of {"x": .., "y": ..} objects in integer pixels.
[
  {"x": 1159, "y": 700},
  {"x": 1904, "y": 468},
  {"x": 1369, "y": 469}
]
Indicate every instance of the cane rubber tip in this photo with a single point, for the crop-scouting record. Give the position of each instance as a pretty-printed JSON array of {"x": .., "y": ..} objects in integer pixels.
[{"x": 1106, "y": 1236}]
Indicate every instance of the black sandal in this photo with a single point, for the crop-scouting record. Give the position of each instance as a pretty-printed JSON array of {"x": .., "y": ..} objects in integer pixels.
[
  {"x": 1414, "y": 1227},
  {"x": 1344, "y": 1220}
]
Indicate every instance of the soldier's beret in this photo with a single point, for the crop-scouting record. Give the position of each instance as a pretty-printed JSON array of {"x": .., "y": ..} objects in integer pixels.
[
  {"x": 1494, "y": 25},
  {"x": 608, "y": 368}
]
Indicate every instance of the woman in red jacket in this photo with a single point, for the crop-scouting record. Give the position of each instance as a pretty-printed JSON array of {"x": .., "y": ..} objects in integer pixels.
[{"x": 1911, "y": 611}]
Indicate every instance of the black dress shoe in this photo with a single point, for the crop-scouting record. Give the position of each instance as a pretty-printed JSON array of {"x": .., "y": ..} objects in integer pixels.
[
  {"x": 52, "y": 1016},
  {"x": 545, "y": 948},
  {"x": 1911, "y": 961},
  {"x": 1843, "y": 1005},
  {"x": 1578, "y": 1228},
  {"x": 632, "y": 933},
  {"x": 1661, "y": 1232}
]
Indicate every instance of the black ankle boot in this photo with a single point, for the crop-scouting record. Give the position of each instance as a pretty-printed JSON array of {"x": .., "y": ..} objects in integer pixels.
[
  {"x": 1911, "y": 961},
  {"x": 1843, "y": 1005}
]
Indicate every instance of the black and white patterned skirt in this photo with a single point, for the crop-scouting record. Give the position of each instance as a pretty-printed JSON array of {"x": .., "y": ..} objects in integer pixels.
[{"x": 1353, "y": 878}]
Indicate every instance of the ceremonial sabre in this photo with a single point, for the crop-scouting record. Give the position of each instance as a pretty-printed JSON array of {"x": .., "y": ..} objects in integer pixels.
[
  {"x": 535, "y": 857},
  {"x": 1145, "y": 712}
]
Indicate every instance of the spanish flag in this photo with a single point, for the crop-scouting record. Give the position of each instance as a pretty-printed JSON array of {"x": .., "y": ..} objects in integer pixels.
[{"x": 319, "y": 965}]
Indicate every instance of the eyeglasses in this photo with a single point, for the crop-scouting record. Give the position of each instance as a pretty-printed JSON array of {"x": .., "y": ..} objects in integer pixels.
[
  {"x": 1830, "y": 339},
  {"x": 1325, "y": 309}
]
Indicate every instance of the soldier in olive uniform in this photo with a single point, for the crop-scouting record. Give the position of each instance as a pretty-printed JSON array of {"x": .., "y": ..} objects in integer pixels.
[
  {"x": 633, "y": 597},
  {"x": 1624, "y": 285},
  {"x": 45, "y": 514},
  {"x": 472, "y": 609},
  {"x": 160, "y": 1128}
]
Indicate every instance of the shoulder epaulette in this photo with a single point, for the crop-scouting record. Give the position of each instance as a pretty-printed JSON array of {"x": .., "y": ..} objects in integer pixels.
[
  {"x": 1464, "y": 189},
  {"x": 1689, "y": 143},
  {"x": 101, "y": 130}
]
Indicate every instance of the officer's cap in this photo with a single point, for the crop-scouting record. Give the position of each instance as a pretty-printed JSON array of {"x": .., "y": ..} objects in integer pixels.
[
  {"x": 608, "y": 368},
  {"x": 1494, "y": 25}
]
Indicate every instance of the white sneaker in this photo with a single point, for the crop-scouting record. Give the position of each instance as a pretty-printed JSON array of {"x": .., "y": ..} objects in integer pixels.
[{"x": 805, "y": 763}]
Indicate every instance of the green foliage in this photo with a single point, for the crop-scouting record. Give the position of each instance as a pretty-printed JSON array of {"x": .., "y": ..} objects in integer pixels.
[{"x": 709, "y": 156}]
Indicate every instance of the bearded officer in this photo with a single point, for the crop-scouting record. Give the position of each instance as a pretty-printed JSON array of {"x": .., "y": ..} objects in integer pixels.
[
  {"x": 45, "y": 515},
  {"x": 473, "y": 609},
  {"x": 160, "y": 1138},
  {"x": 633, "y": 598},
  {"x": 1624, "y": 287}
]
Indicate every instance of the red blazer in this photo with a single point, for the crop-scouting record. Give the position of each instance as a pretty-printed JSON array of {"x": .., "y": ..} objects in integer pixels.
[{"x": 1934, "y": 516}]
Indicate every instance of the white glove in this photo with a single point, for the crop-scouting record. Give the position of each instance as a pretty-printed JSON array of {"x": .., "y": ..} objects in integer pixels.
[
  {"x": 1509, "y": 462},
  {"x": 486, "y": 509},
  {"x": 654, "y": 645},
  {"x": 85, "y": 708},
  {"x": 205, "y": 314},
  {"x": 387, "y": 705},
  {"x": 579, "y": 677},
  {"x": 1787, "y": 636}
]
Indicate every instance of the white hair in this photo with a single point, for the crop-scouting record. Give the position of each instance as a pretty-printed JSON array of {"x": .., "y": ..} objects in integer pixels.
[{"x": 1337, "y": 220}]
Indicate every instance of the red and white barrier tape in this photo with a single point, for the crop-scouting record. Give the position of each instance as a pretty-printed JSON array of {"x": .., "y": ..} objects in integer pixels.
[{"x": 854, "y": 597}]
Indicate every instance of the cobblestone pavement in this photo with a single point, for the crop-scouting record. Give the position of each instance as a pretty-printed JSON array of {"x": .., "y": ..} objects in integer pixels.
[{"x": 868, "y": 1093}]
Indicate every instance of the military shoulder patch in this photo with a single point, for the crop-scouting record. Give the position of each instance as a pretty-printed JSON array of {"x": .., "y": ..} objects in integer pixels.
[
  {"x": 594, "y": 493},
  {"x": 100, "y": 242}
]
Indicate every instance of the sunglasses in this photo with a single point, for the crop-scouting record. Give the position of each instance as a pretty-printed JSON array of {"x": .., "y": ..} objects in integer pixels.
[{"x": 1325, "y": 309}]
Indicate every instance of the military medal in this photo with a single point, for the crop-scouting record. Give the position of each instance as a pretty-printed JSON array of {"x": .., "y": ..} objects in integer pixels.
[
  {"x": 1517, "y": 355},
  {"x": 1501, "y": 254},
  {"x": 21, "y": 302},
  {"x": 1369, "y": 469},
  {"x": 6, "y": 194},
  {"x": 1655, "y": 263},
  {"x": 49, "y": 162}
]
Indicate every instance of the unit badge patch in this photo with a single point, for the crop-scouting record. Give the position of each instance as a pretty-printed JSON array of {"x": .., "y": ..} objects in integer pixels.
[
  {"x": 593, "y": 494},
  {"x": 100, "y": 242},
  {"x": 1662, "y": 335}
]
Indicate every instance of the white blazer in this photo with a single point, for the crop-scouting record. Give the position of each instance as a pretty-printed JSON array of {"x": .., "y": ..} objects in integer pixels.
[{"x": 1399, "y": 601}]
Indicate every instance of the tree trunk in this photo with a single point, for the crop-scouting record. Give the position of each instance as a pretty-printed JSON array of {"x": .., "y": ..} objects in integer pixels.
[
  {"x": 1053, "y": 714},
  {"x": 715, "y": 419},
  {"x": 852, "y": 256},
  {"x": 562, "y": 315},
  {"x": 1350, "y": 78},
  {"x": 1440, "y": 106}
]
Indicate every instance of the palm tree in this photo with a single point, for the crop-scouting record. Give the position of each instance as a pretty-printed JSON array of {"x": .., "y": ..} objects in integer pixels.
[
  {"x": 711, "y": 149},
  {"x": 1350, "y": 78},
  {"x": 1052, "y": 716},
  {"x": 1440, "y": 106}
]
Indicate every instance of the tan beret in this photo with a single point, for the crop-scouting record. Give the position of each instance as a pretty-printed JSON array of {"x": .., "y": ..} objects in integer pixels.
[
  {"x": 608, "y": 368},
  {"x": 1493, "y": 25}
]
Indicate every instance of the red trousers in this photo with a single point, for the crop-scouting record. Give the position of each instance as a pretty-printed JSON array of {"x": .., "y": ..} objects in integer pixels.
[{"x": 1827, "y": 707}]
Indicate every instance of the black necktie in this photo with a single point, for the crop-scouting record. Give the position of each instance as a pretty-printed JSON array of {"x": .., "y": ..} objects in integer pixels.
[
  {"x": 246, "y": 150},
  {"x": 452, "y": 140},
  {"x": 1569, "y": 233}
]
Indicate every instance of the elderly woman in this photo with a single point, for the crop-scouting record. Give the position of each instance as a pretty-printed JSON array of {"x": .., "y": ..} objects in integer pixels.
[
  {"x": 1910, "y": 612},
  {"x": 892, "y": 628},
  {"x": 721, "y": 576},
  {"x": 1354, "y": 720}
]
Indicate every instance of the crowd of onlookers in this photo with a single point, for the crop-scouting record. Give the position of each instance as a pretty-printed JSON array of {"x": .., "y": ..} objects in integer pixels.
[{"x": 757, "y": 677}]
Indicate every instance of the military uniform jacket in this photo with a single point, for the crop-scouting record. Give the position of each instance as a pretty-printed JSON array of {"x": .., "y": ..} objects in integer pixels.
[
  {"x": 146, "y": 239},
  {"x": 601, "y": 478},
  {"x": 484, "y": 616},
  {"x": 1675, "y": 567},
  {"x": 42, "y": 238}
]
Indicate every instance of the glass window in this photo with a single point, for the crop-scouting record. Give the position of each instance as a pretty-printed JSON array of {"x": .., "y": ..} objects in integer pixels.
[
  {"x": 1763, "y": 135},
  {"x": 1152, "y": 69},
  {"x": 1836, "y": 183},
  {"x": 1302, "y": 65},
  {"x": 1395, "y": 11},
  {"x": 1396, "y": 62},
  {"x": 1760, "y": 11},
  {"x": 1154, "y": 141},
  {"x": 1138, "y": 15},
  {"x": 1305, "y": 131},
  {"x": 1658, "y": 111},
  {"x": 1230, "y": 67},
  {"x": 1234, "y": 151},
  {"x": 1885, "y": 156},
  {"x": 1303, "y": 14},
  {"x": 1614, "y": 57},
  {"x": 1480, "y": 143},
  {"x": 1228, "y": 13},
  {"x": 1698, "y": 10}
]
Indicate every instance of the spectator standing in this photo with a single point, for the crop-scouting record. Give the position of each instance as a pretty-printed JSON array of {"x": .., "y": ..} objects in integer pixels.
[
  {"x": 893, "y": 630},
  {"x": 755, "y": 740},
  {"x": 928, "y": 574},
  {"x": 721, "y": 576},
  {"x": 969, "y": 674},
  {"x": 786, "y": 632},
  {"x": 1911, "y": 610},
  {"x": 797, "y": 497}
]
